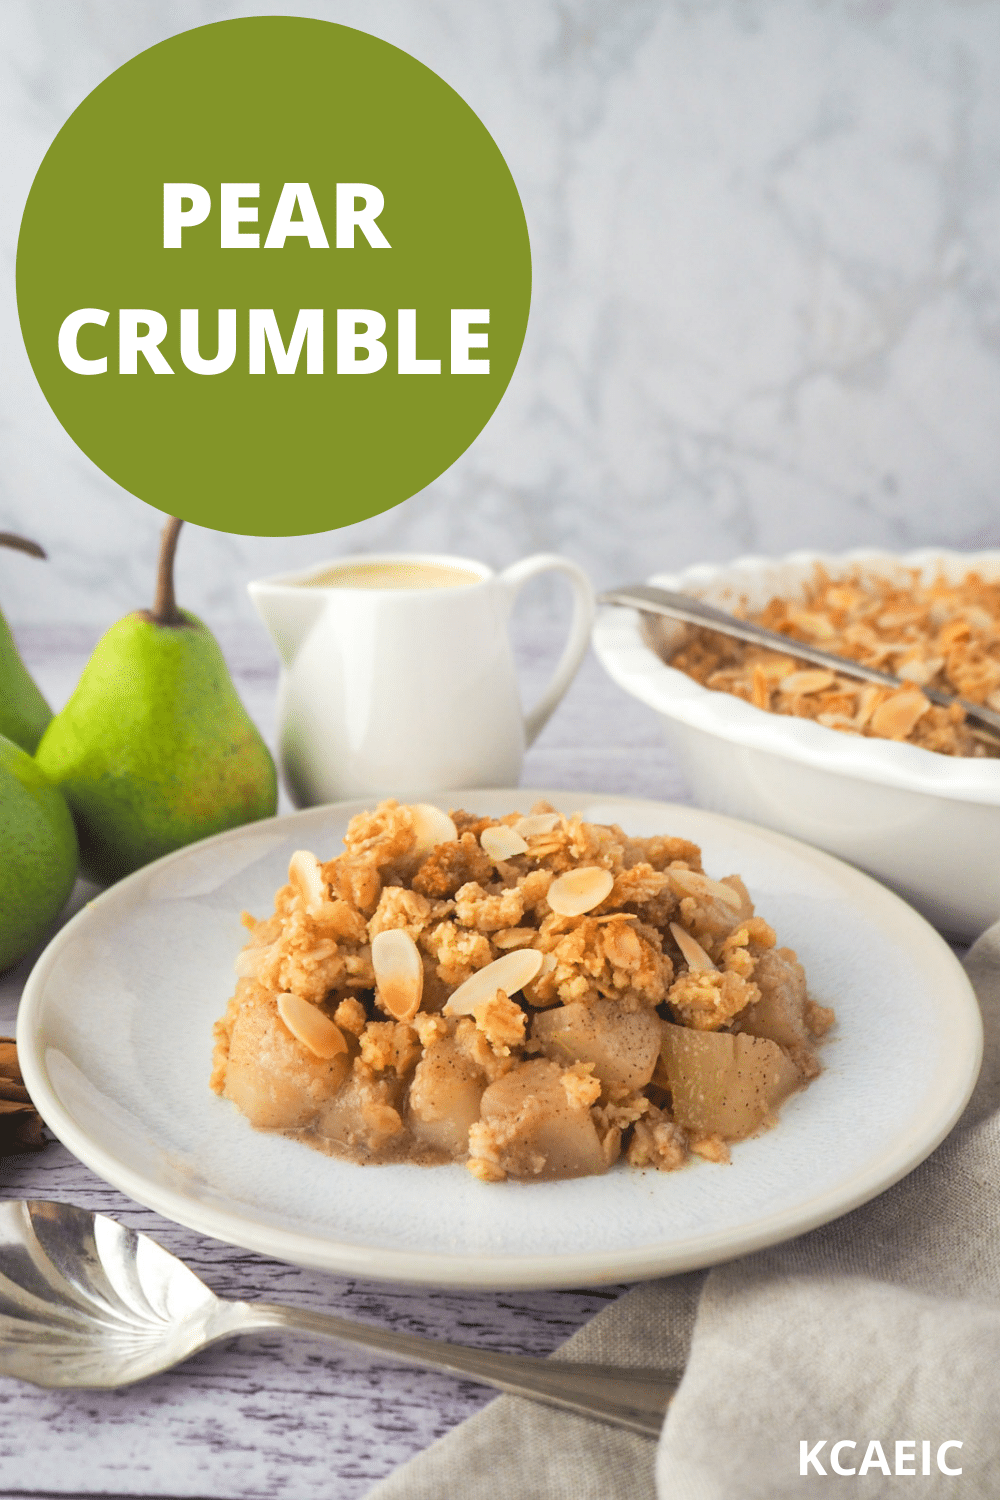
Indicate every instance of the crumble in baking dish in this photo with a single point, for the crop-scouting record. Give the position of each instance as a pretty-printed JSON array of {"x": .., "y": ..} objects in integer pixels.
[{"x": 929, "y": 633}]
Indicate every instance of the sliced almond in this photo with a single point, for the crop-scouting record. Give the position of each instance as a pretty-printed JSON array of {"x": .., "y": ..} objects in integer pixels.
[
  {"x": 806, "y": 682},
  {"x": 818, "y": 626},
  {"x": 951, "y": 633},
  {"x": 897, "y": 716},
  {"x": 502, "y": 842},
  {"x": 868, "y": 699},
  {"x": 250, "y": 961},
  {"x": 837, "y": 721},
  {"x": 545, "y": 845},
  {"x": 549, "y": 962},
  {"x": 890, "y": 648},
  {"x": 537, "y": 823},
  {"x": 694, "y": 884},
  {"x": 920, "y": 671},
  {"x": 514, "y": 937},
  {"x": 897, "y": 619},
  {"x": 509, "y": 973},
  {"x": 579, "y": 890},
  {"x": 979, "y": 618},
  {"x": 311, "y": 1027},
  {"x": 692, "y": 950},
  {"x": 775, "y": 670},
  {"x": 306, "y": 876},
  {"x": 844, "y": 596},
  {"x": 399, "y": 973},
  {"x": 431, "y": 826}
]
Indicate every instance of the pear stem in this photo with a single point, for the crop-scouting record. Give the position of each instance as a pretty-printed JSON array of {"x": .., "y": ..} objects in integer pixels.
[
  {"x": 21, "y": 544},
  {"x": 165, "y": 611}
]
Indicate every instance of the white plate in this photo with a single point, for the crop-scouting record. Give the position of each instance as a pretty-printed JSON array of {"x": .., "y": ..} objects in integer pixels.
[{"x": 114, "y": 1038}]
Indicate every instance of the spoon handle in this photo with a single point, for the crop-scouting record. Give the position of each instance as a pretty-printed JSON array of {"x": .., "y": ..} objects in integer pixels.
[
  {"x": 635, "y": 1399},
  {"x": 694, "y": 611}
]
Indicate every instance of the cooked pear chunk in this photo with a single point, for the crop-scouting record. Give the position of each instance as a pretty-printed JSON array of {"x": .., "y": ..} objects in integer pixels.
[
  {"x": 723, "y": 1084},
  {"x": 530, "y": 1128},
  {"x": 270, "y": 1076},
  {"x": 362, "y": 1117},
  {"x": 622, "y": 1044},
  {"x": 781, "y": 1013},
  {"x": 445, "y": 1096}
]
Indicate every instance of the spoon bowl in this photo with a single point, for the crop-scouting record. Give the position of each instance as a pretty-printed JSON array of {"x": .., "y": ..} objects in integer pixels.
[{"x": 85, "y": 1302}]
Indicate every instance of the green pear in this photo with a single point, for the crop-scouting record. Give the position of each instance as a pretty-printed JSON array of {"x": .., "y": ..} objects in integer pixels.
[
  {"x": 154, "y": 750},
  {"x": 37, "y": 853},
  {"x": 24, "y": 713}
]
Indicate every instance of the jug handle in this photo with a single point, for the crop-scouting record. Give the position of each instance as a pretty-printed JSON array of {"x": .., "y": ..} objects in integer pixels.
[{"x": 579, "y": 631}]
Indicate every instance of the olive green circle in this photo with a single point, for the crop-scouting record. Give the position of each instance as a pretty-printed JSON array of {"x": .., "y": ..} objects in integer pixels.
[{"x": 271, "y": 100}]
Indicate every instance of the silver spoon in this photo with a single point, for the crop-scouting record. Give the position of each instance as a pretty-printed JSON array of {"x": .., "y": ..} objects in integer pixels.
[
  {"x": 693, "y": 611},
  {"x": 85, "y": 1302}
]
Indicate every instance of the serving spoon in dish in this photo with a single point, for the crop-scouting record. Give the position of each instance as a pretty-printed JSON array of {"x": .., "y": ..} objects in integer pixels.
[
  {"x": 694, "y": 611},
  {"x": 87, "y": 1303}
]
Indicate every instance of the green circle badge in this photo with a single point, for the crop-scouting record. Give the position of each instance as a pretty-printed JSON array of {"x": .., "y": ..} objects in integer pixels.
[{"x": 273, "y": 276}]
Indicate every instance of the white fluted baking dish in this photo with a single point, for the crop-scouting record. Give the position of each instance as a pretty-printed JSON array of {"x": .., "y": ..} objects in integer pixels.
[{"x": 926, "y": 824}]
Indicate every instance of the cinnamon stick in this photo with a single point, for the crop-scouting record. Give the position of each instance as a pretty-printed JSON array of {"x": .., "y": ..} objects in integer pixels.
[{"x": 20, "y": 1122}]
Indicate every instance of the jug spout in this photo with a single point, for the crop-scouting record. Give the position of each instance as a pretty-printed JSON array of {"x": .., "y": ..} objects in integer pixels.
[{"x": 289, "y": 612}]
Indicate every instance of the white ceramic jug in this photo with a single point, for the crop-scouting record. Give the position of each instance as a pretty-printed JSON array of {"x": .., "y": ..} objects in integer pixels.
[{"x": 403, "y": 689}]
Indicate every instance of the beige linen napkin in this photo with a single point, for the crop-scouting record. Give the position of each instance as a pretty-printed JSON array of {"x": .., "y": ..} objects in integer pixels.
[{"x": 880, "y": 1329}]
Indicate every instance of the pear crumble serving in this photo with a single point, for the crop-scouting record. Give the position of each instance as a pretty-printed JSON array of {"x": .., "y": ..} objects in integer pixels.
[
  {"x": 533, "y": 996},
  {"x": 929, "y": 633}
]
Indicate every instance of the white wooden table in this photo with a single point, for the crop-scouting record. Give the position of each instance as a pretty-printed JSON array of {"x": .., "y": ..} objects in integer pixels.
[{"x": 282, "y": 1417}]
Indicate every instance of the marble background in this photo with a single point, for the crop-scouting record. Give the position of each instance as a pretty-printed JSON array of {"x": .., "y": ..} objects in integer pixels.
[{"x": 766, "y": 311}]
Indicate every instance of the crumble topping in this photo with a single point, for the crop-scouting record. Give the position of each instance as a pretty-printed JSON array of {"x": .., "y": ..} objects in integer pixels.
[
  {"x": 420, "y": 997},
  {"x": 929, "y": 633}
]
